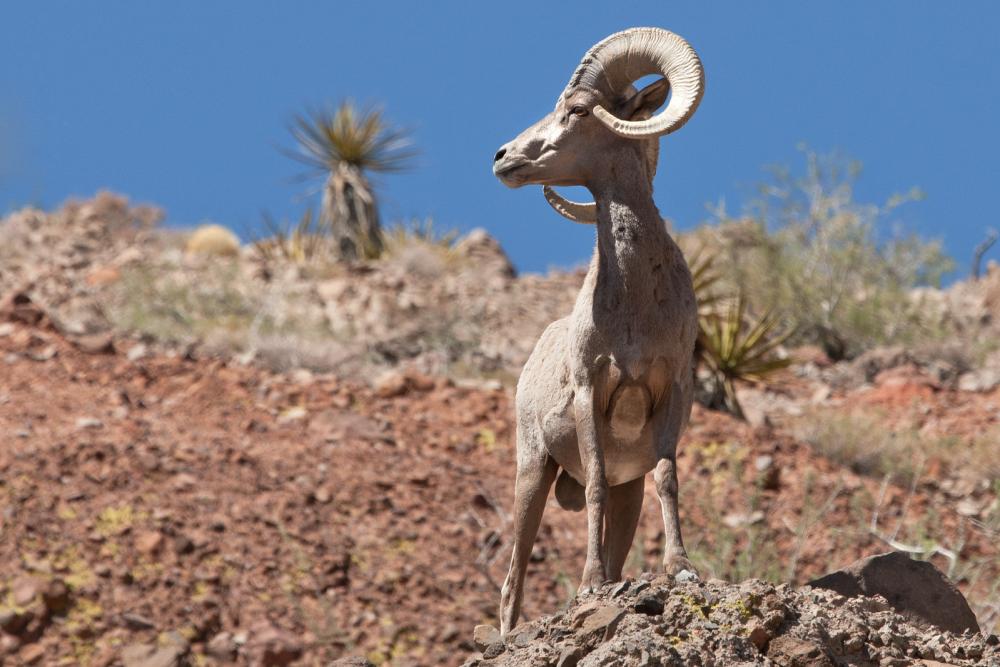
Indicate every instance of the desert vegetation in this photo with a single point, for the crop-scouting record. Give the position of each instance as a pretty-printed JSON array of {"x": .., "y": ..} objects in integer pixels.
[
  {"x": 867, "y": 387},
  {"x": 343, "y": 148}
]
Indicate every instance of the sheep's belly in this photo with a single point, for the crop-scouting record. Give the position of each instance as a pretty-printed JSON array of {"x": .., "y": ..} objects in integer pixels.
[{"x": 623, "y": 462}]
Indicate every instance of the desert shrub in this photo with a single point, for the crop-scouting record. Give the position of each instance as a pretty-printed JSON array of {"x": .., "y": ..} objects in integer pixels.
[
  {"x": 213, "y": 241},
  {"x": 860, "y": 441},
  {"x": 420, "y": 232},
  {"x": 419, "y": 249},
  {"x": 837, "y": 271},
  {"x": 863, "y": 440},
  {"x": 214, "y": 304},
  {"x": 301, "y": 243}
]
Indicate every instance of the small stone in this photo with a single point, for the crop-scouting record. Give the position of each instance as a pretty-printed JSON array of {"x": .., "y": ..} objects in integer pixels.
[
  {"x": 569, "y": 656},
  {"x": 175, "y": 639},
  {"x": 44, "y": 354},
  {"x": 420, "y": 382},
  {"x": 103, "y": 275},
  {"x": 620, "y": 588},
  {"x": 149, "y": 542},
  {"x": 136, "y": 622},
  {"x": 602, "y": 624},
  {"x": 148, "y": 655},
  {"x": 484, "y": 636},
  {"x": 56, "y": 596},
  {"x": 525, "y": 635},
  {"x": 352, "y": 661},
  {"x": 221, "y": 647},
  {"x": 8, "y": 645},
  {"x": 493, "y": 650},
  {"x": 788, "y": 650},
  {"x": 854, "y": 644},
  {"x": 686, "y": 577},
  {"x": 137, "y": 352},
  {"x": 102, "y": 343},
  {"x": 183, "y": 545},
  {"x": 15, "y": 622},
  {"x": 84, "y": 423},
  {"x": 649, "y": 605},
  {"x": 271, "y": 647},
  {"x": 25, "y": 590},
  {"x": 390, "y": 385},
  {"x": 769, "y": 474},
  {"x": 759, "y": 636},
  {"x": 32, "y": 653}
]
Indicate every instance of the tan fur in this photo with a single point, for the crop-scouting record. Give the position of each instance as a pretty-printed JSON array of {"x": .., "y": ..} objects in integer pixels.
[{"x": 607, "y": 391}]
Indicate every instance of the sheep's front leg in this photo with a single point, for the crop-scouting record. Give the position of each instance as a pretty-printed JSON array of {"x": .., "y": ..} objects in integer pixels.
[{"x": 592, "y": 457}]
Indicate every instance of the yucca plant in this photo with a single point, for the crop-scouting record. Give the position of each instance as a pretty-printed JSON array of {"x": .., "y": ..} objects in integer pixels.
[
  {"x": 345, "y": 146},
  {"x": 734, "y": 348},
  {"x": 705, "y": 278}
]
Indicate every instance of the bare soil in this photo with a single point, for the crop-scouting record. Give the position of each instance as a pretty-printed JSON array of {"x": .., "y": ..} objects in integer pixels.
[{"x": 231, "y": 504}]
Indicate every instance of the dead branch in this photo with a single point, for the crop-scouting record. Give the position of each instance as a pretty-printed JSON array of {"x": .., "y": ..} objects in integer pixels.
[{"x": 981, "y": 249}]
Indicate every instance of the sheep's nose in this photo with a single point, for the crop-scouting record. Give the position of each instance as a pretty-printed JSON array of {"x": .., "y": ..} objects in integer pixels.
[{"x": 499, "y": 155}]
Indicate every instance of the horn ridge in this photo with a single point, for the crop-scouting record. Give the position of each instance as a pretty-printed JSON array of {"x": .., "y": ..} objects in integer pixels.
[{"x": 616, "y": 61}]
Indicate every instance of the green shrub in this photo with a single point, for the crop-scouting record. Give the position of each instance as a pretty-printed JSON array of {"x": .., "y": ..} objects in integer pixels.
[{"x": 837, "y": 271}]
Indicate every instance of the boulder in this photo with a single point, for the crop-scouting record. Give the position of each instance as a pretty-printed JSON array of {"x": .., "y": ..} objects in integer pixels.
[{"x": 916, "y": 589}]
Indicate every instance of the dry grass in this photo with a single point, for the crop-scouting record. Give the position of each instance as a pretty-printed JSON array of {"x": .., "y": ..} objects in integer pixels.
[{"x": 868, "y": 443}]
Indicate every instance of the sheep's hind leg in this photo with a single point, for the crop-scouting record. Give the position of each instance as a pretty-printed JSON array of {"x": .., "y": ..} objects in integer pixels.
[
  {"x": 668, "y": 432},
  {"x": 674, "y": 555},
  {"x": 624, "y": 508},
  {"x": 534, "y": 479}
]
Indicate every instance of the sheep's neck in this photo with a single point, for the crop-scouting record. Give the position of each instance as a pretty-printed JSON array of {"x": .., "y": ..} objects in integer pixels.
[{"x": 631, "y": 241}]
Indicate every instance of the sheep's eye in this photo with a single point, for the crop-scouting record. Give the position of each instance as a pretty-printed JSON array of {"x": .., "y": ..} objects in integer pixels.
[{"x": 579, "y": 110}]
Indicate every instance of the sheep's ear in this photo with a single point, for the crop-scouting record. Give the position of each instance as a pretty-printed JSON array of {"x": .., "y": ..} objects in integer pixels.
[{"x": 644, "y": 103}]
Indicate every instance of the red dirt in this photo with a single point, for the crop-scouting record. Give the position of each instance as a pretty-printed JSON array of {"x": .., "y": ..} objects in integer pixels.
[{"x": 208, "y": 497}]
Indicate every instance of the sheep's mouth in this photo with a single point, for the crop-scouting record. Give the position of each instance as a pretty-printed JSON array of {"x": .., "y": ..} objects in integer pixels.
[
  {"x": 509, "y": 176},
  {"x": 509, "y": 169}
]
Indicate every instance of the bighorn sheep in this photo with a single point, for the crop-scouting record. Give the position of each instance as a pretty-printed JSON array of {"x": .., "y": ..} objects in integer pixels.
[{"x": 607, "y": 390}]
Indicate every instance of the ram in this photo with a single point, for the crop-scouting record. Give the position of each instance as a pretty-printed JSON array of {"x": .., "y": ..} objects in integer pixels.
[{"x": 607, "y": 391}]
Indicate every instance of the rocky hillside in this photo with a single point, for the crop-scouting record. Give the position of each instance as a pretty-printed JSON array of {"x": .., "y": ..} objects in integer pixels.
[
  {"x": 205, "y": 461},
  {"x": 659, "y": 620}
]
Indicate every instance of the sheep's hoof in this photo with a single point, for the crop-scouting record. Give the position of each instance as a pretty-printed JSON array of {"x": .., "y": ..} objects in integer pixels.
[
  {"x": 674, "y": 565},
  {"x": 593, "y": 579}
]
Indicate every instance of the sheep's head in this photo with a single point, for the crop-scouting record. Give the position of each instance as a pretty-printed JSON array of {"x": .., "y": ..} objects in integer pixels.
[{"x": 600, "y": 109}]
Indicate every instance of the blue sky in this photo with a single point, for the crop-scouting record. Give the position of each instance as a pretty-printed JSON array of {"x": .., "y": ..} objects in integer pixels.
[{"x": 184, "y": 104}]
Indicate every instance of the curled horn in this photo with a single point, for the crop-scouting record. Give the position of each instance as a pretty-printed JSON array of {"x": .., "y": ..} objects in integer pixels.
[
  {"x": 615, "y": 62},
  {"x": 585, "y": 214}
]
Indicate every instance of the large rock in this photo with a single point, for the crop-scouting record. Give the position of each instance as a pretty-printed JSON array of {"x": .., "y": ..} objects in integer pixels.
[{"x": 916, "y": 589}]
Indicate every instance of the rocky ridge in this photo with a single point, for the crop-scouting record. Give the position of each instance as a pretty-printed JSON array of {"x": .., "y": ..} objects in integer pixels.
[{"x": 662, "y": 620}]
